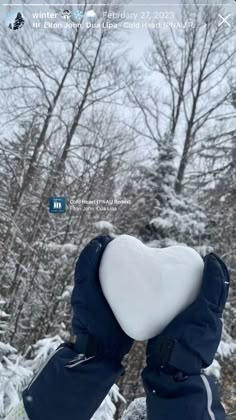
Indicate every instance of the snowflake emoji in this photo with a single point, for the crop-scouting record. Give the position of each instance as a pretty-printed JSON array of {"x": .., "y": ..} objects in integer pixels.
[{"x": 77, "y": 15}]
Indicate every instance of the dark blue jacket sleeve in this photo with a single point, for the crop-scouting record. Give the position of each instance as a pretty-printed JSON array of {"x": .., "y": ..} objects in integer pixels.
[
  {"x": 192, "y": 398},
  {"x": 69, "y": 387}
]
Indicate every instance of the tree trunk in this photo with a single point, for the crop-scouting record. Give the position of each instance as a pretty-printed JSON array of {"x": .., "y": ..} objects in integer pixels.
[{"x": 131, "y": 384}]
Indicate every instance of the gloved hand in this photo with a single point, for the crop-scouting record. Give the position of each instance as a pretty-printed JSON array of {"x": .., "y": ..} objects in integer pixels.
[
  {"x": 97, "y": 330},
  {"x": 190, "y": 341}
]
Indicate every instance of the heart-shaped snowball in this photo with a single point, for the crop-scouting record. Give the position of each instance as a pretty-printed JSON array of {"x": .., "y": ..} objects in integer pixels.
[{"x": 147, "y": 287}]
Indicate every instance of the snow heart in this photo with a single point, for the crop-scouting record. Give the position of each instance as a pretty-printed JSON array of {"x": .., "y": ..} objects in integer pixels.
[{"x": 147, "y": 287}]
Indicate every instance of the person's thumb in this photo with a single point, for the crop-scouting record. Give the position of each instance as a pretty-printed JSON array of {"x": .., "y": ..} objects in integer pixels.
[{"x": 215, "y": 286}]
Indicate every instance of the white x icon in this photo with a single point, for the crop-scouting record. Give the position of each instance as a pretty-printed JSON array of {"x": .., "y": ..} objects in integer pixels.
[{"x": 224, "y": 20}]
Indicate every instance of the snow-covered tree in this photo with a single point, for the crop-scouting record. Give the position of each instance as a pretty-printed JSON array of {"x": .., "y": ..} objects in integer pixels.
[
  {"x": 160, "y": 213},
  {"x": 175, "y": 215},
  {"x": 3, "y": 318},
  {"x": 14, "y": 376}
]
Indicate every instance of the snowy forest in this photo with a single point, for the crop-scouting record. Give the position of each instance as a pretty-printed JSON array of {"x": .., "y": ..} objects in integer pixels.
[{"x": 152, "y": 138}]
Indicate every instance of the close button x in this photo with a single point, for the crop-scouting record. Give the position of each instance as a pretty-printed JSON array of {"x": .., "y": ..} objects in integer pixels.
[{"x": 224, "y": 20}]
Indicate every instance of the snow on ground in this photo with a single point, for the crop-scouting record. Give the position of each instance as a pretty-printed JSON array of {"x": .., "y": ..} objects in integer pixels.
[{"x": 136, "y": 410}]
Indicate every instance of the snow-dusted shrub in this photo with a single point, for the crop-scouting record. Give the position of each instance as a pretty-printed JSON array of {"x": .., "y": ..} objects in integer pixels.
[{"x": 14, "y": 376}]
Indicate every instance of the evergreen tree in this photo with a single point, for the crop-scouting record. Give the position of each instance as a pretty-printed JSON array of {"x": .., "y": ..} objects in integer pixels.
[
  {"x": 160, "y": 213},
  {"x": 176, "y": 216}
]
